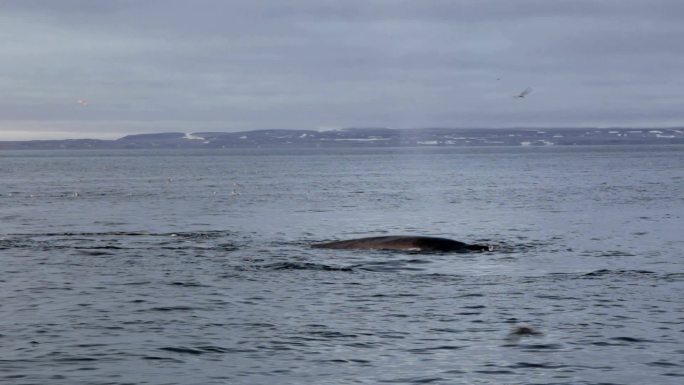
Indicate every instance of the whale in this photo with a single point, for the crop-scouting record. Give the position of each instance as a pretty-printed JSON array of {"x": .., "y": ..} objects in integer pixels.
[{"x": 404, "y": 243}]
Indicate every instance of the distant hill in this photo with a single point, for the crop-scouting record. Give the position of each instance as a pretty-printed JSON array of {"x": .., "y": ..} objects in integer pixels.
[{"x": 368, "y": 137}]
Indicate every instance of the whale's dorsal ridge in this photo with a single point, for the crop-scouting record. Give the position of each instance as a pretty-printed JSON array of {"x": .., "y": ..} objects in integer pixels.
[{"x": 404, "y": 243}]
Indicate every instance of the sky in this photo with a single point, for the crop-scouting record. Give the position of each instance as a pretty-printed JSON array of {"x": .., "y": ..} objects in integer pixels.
[{"x": 105, "y": 69}]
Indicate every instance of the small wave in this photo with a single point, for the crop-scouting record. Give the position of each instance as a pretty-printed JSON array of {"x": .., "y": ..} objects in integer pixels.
[
  {"x": 107, "y": 247},
  {"x": 664, "y": 364},
  {"x": 95, "y": 253},
  {"x": 674, "y": 276},
  {"x": 195, "y": 350},
  {"x": 260, "y": 325},
  {"x": 327, "y": 334},
  {"x": 419, "y": 380},
  {"x": 305, "y": 266},
  {"x": 186, "y": 284},
  {"x": 171, "y": 308},
  {"x": 539, "y": 347},
  {"x": 393, "y": 295},
  {"x": 364, "y": 345},
  {"x": 76, "y": 359},
  {"x": 614, "y": 253},
  {"x": 105, "y": 243},
  {"x": 227, "y": 247},
  {"x": 605, "y": 272},
  {"x": 494, "y": 371},
  {"x": 210, "y": 234},
  {"x": 389, "y": 266},
  {"x": 345, "y": 361},
  {"x": 157, "y": 358},
  {"x": 503, "y": 247},
  {"x": 213, "y": 234},
  {"x": 218, "y": 349},
  {"x": 526, "y": 365},
  {"x": 7, "y": 244},
  {"x": 14, "y": 376},
  {"x": 630, "y": 339},
  {"x": 191, "y": 235},
  {"x": 622, "y": 341},
  {"x": 610, "y": 273},
  {"x": 470, "y": 295},
  {"x": 434, "y": 348}
]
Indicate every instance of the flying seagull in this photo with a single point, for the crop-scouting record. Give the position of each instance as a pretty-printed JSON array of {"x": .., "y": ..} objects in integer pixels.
[
  {"x": 82, "y": 102},
  {"x": 524, "y": 93}
]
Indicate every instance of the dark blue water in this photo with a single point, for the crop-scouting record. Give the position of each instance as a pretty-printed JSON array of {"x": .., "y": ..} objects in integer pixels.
[{"x": 195, "y": 267}]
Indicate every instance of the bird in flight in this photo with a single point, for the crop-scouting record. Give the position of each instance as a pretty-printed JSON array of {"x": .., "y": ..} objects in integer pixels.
[
  {"x": 524, "y": 93},
  {"x": 82, "y": 102}
]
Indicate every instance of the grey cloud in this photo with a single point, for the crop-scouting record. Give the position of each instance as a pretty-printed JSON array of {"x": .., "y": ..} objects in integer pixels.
[{"x": 305, "y": 64}]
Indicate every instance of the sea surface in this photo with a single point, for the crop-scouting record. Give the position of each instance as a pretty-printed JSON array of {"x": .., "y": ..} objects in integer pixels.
[{"x": 195, "y": 267}]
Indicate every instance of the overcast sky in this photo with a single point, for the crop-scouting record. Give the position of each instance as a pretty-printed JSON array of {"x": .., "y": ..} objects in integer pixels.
[{"x": 203, "y": 65}]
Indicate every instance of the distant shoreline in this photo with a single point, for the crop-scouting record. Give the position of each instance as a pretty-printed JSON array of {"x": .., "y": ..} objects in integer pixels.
[{"x": 367, "y": 137}]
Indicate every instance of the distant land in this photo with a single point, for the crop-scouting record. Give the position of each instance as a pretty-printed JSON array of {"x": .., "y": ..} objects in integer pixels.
[{"x": 368, "y": 137}]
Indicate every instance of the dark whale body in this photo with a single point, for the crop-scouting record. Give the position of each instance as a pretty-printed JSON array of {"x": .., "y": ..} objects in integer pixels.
[{"x": 404, "y": 242}]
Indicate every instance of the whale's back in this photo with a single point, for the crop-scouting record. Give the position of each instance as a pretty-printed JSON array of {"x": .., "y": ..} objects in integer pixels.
[{"x": 401, "y": 242}]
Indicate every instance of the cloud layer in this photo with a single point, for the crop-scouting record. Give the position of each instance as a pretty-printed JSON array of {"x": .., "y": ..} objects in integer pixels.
[{"x": 150, "y": 66}]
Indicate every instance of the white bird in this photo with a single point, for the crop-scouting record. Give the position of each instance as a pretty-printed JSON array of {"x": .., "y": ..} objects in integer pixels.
[
  {"x": 524, "y": 93},
  {"x": 82, "y": 102}
]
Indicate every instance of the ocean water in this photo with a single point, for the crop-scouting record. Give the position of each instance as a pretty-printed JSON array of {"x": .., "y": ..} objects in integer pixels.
[{"x": 194, "y": 267}]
